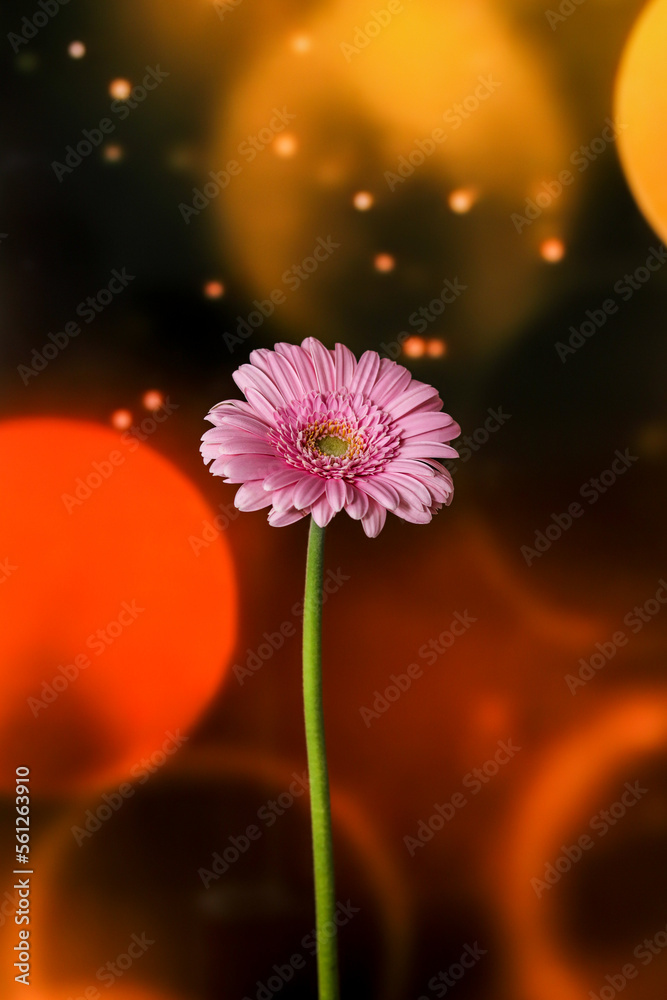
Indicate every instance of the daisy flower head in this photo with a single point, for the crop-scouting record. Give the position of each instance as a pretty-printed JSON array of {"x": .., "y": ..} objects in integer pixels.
[{"x": 320, "y": 432}]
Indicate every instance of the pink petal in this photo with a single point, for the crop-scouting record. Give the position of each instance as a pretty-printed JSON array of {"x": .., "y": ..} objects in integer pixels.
[
  {"x": 280, "y": 371},
  {"x": 241, "y": 467},
  {"x": 308, "y": 490},
  {"x": 365, "y": 375},
  {"x": 418, "y": 422},
  {"x": 323, "y": 364},
  {"x": 358, "y": 505},
  {"x": 382, "y": 492},
  {"x": 427, "y": 449},
  {"x": 417, "y": 394},
  {"x": 283, "y": 476},
  {"x": 392, "y": 381},
  {"x": 250, "y": 377},
  {"x": 373, "y": 521},
  {"x": 322, "y": 512},
  {"x": 302, "y": 364},
  {"x": 278, "y": 519},
  {"x": 336, "y": 493},
  {"x": 252, "y": 496},
  {"x": 260, "y": 405},
  {"x": 345, "y": 365},
  {"x": 239, "y": 443},
  {"x": 415, "y": 515}
]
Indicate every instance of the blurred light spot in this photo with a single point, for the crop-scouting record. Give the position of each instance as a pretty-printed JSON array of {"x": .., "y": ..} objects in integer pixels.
[
  {"x": 152, "y": 399},
  {"x": 120, "y": 89},
  {"x": 121, "y": 419},
  {"x": 436, "y": 348},
  {"x": 384, "y": 262},
  {"x": 414, "y": 347},
  {"x": 180, "y": 158},
  {"x": 285, "y": 145},
  {"x": 363, "y": 200},
  {"x": 301, "y": 44},
  {"x": 112, "y": 153},
  {"x": 552, "y": 250},
  {"x": 76, "y": 50},
  {"x": 462, "y": 200},
  {"x": 214, "y": 289}
]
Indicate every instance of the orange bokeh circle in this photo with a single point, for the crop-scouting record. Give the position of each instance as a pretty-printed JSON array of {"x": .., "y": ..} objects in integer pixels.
[
  {"x": 641, "y": 108},
  {"x": 117, "y": 615}
]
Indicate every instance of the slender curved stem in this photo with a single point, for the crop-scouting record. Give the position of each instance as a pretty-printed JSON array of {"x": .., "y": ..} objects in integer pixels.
[{"x": 320, "y": 806}]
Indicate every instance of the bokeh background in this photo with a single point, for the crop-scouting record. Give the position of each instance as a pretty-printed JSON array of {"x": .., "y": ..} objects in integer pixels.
[{"x": 166, "y": 169}]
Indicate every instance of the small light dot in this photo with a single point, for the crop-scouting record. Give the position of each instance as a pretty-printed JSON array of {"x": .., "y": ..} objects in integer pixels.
[
  {"x": 121, "y": 419},
  {"x": 363, "y": 200},
  {"x": 552, "y": 250},
  {"x": 285, "y": 145},
  {"x": 301, "y": 44},
  {"x": 120, "y": 89},
  {"x": 462, "y": 200},
  {"x": 214, "y": 289},
  {"x": 414, "y": 347},
  {"x": 112, "y": 153},
  {"x": 77, "y": 50},
  {"x": 436, "y": 348},
  {"x": 152, "y": 399},
  {"x": 384, "y": 262}
]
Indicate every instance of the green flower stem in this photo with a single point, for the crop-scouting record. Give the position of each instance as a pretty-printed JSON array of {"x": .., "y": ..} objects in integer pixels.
[{"x": 320, "y": 806}]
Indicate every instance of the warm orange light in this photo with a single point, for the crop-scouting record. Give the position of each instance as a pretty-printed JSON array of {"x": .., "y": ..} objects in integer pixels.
[
  {"x": 120, "y": 89},
  {"x": 118, "y": 605},
  {"x": 436, "y": 348},
  {"x": 285, "y": 145},
  {"x": 152, "y": 399},
  {"x": 462, "y": 200},
  {"x": 214, "y": 289},
  {"x": 76, "y": 50},
  {"x": 121, "y": 419},
  {"x": 363, "y": 200},
  {"x": 112, "y": 152},
  {"x": 301, "y": 44},
  {"x": 414, "y": 347},
  {"x": 384, "y": 262},
  {"x": 552, "y": 250}
]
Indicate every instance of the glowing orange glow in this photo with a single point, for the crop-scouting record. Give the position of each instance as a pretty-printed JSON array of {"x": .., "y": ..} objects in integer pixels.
[
  {"x": 462, "y": 200},
  {"x": 214, "y": 289},
  {"x": 120, "y": 89},
  {"x": 363, "y": 200},
  {"x": 301, "y": 44},
  {"x": 552, "y": 250},
  {"x": 384, "y": 262},
  {"x": 641, "y": 108},
  {"x": 414, "y": 347},
  {"x": 120, "y": 615},
  {"x": 121, "y": 419},
  {"x": 152, "y": 399},
  {"x": 76, "y": 50},
  {"x": 436, "y": 348},
  {"x": 112, "y": 152},
  {"x": 285, "y": 145}
]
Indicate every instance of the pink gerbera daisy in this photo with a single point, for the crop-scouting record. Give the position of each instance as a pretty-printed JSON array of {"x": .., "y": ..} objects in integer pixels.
[{"x": 321, "y": 432}]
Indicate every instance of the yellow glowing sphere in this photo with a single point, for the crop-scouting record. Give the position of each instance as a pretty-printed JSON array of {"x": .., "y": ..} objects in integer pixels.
[
  {"x": 462, "y": 200},
  {"x": 363, "y": 200},
  {"x": 214, "y": 289},
  {"x": 414, "y": 347},
  {"x": 384, "y": 262},
  {"x": 76, "y": 50},
  {"x": 120, "y": 89},
  {"x": 552, "y": 250},
  {"x": 641, "y": 106}
]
